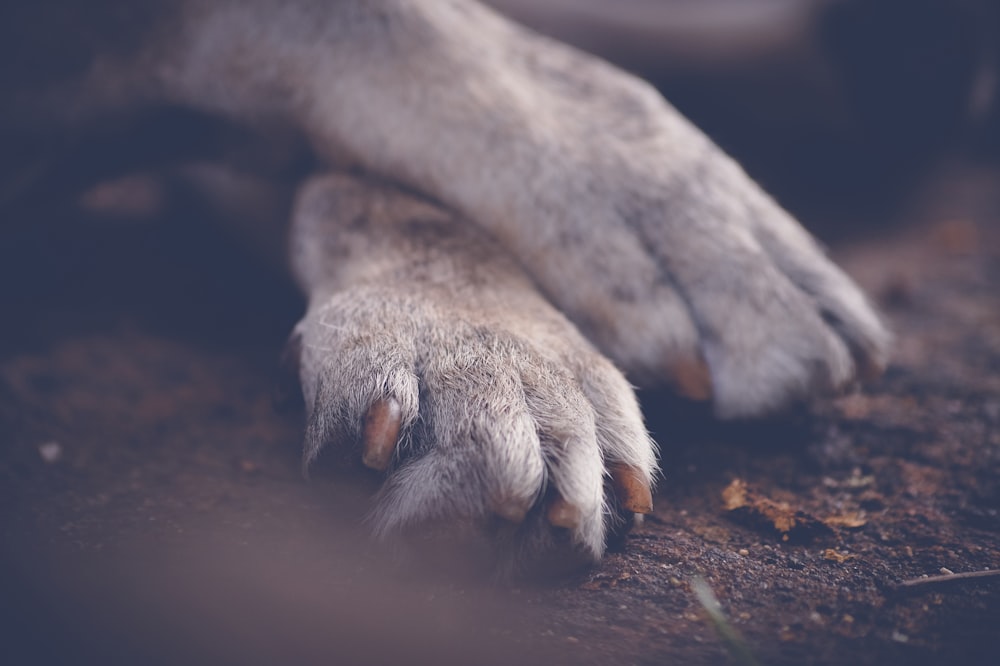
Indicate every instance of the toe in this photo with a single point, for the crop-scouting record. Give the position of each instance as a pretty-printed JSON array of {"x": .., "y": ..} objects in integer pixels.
[
  {"x": 475, "y": 454},
  {"x": 839, "y": 300},
  {"x": 627, "y": 449},
  {"x": 361, "y": 392},
  {"x": 568, "y": 434},
  {"x": 561, "y": 513}
]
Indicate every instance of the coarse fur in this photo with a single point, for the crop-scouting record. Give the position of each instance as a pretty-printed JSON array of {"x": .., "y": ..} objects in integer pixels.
[{"x": 569, "y": 215}]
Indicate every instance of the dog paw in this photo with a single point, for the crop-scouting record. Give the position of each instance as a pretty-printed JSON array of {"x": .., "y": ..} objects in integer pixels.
[
  {"x": 740, "y": 305},
  {"x": 426, "y": 355}
]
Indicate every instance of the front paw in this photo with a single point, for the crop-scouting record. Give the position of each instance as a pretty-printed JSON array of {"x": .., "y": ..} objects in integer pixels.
[
  {"x": 684, "y": 272},
  {"x": 433, "y": 361},
  {"x": 774, "y": 320}
]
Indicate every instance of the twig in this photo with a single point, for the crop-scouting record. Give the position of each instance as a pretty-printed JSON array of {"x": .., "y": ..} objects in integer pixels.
[
  {"x": 949, "y": 578},
  {"x": 730, "y": 637}
]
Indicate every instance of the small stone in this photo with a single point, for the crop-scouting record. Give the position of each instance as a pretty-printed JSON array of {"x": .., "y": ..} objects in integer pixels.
[{"x": 51, "y": 452}]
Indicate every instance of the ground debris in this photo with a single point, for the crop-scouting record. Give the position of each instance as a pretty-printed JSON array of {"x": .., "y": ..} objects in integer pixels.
[
  {"x": 850, "y": 520},
  {"x": 601, "y": 580},
  {"x": 753, "y": 509},
  {"x": 835, "y": 555},
  {"x": 949, "y": 578}
]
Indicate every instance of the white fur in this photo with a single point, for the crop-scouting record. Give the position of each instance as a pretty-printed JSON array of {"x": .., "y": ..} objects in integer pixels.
[
  {"x": 502, "y": 400},
  {"x": 630, "y": 221}
]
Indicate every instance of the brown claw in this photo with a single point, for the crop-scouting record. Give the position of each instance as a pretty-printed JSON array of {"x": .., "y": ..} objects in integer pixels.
[
  {"x": 691, "y": 378},
  {"x": 631, "y": 488},
  {"x": 870, "y": 369},
  {"x": 381, "y": 431},
  {"x": 563, "y": 514}
]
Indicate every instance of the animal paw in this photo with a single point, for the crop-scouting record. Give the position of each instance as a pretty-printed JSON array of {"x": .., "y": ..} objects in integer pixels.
[{"x": 427, "y": 355}]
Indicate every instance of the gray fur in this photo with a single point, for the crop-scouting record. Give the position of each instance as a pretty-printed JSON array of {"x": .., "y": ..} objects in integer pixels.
[
  {"x": 502, "y": 400},
  {"x": 585, "y": 186}
]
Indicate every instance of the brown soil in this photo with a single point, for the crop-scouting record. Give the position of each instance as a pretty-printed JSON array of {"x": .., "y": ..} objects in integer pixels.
[{"x": 152, "y": 510}]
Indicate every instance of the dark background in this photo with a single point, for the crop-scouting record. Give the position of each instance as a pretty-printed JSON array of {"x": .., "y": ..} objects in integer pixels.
[{"x": 151, "y": 506}]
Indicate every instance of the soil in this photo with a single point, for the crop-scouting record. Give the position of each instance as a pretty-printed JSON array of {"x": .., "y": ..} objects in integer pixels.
[{"x": 152, "y": 508}]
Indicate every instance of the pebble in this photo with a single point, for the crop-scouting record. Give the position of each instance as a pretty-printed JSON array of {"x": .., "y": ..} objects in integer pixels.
[{"x": 51, "y": 452}]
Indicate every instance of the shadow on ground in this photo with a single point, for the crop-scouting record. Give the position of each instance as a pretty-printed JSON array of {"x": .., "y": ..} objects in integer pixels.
[{"x": 151, "y": 506}]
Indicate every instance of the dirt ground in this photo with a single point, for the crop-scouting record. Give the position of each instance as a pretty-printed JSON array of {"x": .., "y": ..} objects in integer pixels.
[{"x": 152, "y": 509}]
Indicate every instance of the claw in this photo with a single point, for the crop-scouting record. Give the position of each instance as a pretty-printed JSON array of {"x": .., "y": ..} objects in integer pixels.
[
  {"x": 870, "y": 369},
  {"x": 691, "y": 378},
  {"x": 631, "y": 488},
  {"x": 381, "y": 432},
  {"x": 563, "y": 514}
]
